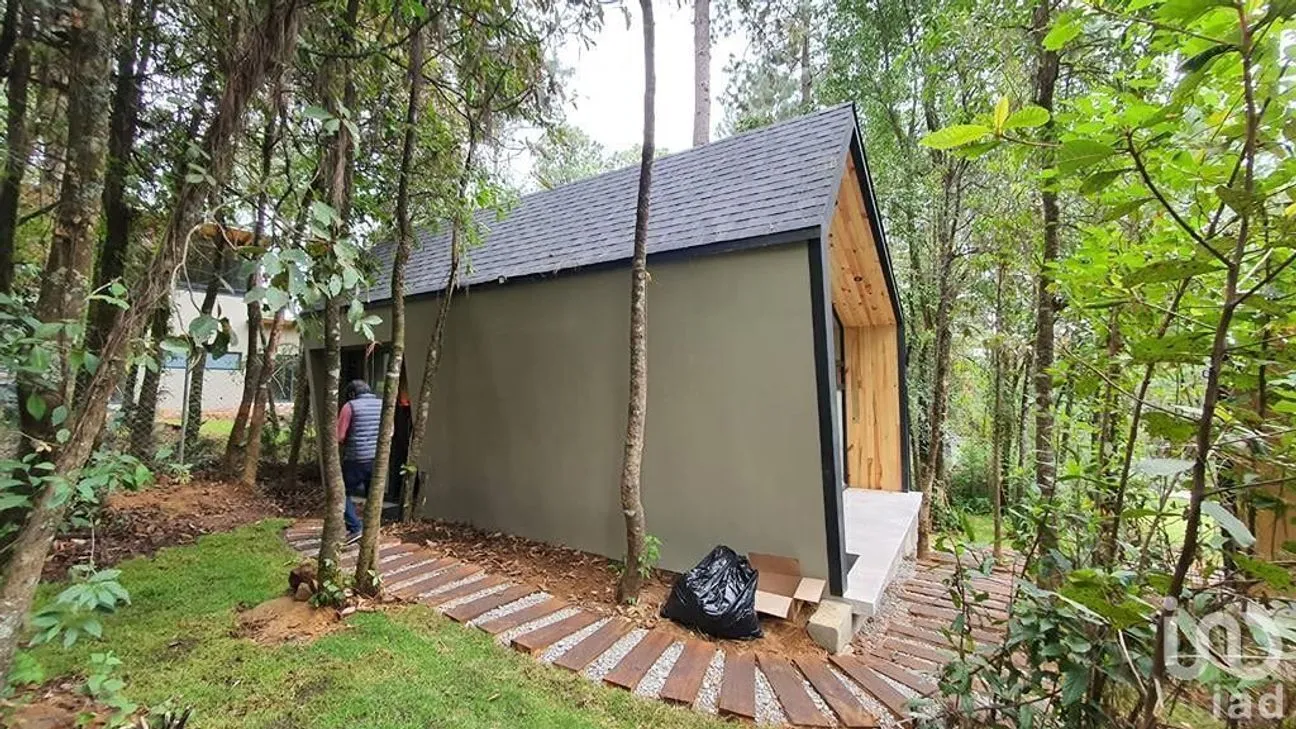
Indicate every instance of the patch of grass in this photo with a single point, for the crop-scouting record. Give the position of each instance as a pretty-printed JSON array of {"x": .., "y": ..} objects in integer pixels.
[
  {"x": 982, "y": 531},
  {"x": 214, "y": 428},
  {"x": 408, "y": 667}
]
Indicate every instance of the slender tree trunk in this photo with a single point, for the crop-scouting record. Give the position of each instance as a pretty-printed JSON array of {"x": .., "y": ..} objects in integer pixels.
[
  {"x": 335, "y": 182},
  {"x": 9, "y": 33},
  {"x": 701, "y": 72},
  {"x": 144, "y": 412},
  {"x": 366, "y": 574},
  {"x": 996, "y": 413},
  {"x": 334, "y": 487},
  {"x": 62, "y": 299},
  {"x": 301, "y": 410},
  {"x": 18, "y": 144},
  {"x": 1111, "y": 539},
  {"x": 265, "y": 373},
  {"x": 432, "y": 361},
  {"x": 946, "y": 228},
  {"x": 637, "y": 410},
  {"x": 197, "y": 375},
  {"x": 133, "y": 60},
  {"x": 128, "y": 388},
  {"x": 807, "y": 77},
  {"x": 1046, "y": 74},
  {"x": 1212, "y": 390},
  {"x": 238, "y": 440},
  {"x": 268, "y": 45},
  {"x": 1020, "y": 433}
]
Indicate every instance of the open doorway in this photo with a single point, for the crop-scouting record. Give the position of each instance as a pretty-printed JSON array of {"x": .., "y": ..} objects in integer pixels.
[{"x": 369, "y": 363}]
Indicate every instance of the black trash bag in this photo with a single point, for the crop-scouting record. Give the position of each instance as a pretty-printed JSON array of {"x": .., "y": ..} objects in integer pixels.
[{"x": 717, "y": 597}]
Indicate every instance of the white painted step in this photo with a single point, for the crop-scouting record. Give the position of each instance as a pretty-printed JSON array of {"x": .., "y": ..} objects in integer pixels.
[{"x": 882, "y": 530}]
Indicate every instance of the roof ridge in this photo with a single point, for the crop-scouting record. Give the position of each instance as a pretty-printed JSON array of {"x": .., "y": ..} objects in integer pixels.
[
  {"x": 708, "y": 146},
  {"x": 752, "y": 186}
]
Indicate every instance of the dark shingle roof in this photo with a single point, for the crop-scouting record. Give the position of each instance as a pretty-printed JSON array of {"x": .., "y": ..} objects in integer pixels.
[{"x": 773, "y": 180}]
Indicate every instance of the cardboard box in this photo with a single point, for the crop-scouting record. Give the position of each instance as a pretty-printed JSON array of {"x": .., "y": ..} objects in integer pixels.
[{"x": 780, "y": 586}]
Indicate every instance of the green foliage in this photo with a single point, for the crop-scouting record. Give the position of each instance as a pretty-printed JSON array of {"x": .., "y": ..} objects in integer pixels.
[
  {"x": 332, "y": 592},
  {"x": 26, "y": 671},
  {"x": 80, "y": 608},
  {"x": 651, "y": 555},
  {"x": 1176, "y": 190},
  {"x": 103, "y": 685}
]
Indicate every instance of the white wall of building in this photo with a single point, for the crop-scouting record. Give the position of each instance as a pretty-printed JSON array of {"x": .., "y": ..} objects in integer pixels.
[{"x": 223, "y": 379}]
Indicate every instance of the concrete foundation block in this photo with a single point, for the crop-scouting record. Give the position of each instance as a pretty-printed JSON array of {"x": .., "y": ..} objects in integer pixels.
[{"x": 831, "y": 625}]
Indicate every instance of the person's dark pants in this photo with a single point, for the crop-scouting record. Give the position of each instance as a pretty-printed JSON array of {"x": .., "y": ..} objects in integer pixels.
[{"x": 356, "y": 476}]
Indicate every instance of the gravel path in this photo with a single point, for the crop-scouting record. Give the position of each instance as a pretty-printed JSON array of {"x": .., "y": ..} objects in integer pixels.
[
  {"x": 450, "y": 585},
  {"x": 412, "y": 579},
  {"x": 525, "y": 602},
  {"x": 651, "y": 684},
  {"x": 507, "y": 636},
  {"x": 469, "y": 598},
  {"x": 557, "y": 649},
  {"x": 818, "y": 701},
  {"x": 408, "y": 567},
  {"x": 892, "y": 607},
  {"x": 709, "y": 693},
  {"x": 768, "y": 710},
  {"x": 391, "y": 557},
  {"x": 612, "y": 656},
  {"x": 886, "y": 720}
]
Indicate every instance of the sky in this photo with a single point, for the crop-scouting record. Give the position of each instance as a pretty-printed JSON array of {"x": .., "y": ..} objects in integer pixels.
[{"x": 607, "y": 84}]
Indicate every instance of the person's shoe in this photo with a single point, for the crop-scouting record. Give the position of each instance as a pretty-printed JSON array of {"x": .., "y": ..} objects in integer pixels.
[{"x": 352, "y": 538}]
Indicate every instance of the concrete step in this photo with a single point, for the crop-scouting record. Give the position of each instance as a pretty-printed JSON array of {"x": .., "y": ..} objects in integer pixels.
[{"x": 881, "y": 531}]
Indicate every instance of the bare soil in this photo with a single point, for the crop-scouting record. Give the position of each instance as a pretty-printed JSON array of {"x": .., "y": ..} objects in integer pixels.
[
  {"x": 59, "y": 704},
  {"x": 589, "y": 581},
  {"x": 285, "y": 620},
  {"x": 166, "y": 514}
]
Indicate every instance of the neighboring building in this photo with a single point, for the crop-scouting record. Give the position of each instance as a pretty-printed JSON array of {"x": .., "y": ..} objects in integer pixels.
[
  {"x": 223, "y": 379},
  {"x": 775, "y": 358}
]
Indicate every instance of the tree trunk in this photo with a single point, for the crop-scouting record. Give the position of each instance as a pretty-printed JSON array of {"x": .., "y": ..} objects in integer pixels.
[
  {"x": 1023, "y": 410},
  {"x": 301, "y": 410},
  {"x": 946, "y": 228},
  {"x": 265, "y": 373},
  {"x": 807, "y": 77},
  {"x": 996, "y": 413},
  {"x": 267, "y": 46},
  {"x": 701, "y": 72},
  {"x": 238, "y": 441},
  {"x": 194, "y": 398},
  {"x": 366, "y": 574},
  {"x": 334, "y": 488},
  {"x": 335, "y": 188},
  {"x": 64, "y": 281},
  {"x": 133, "y": 60},
  {"x": 62, "y": 299},
  {"x": 1205, "y": 441},
  {"x": 9, "y": 33},
  {"x": 128, "y": 388},
  {"x": 637, "y": 410},
  {"x": 18, "y": 143},
  {"x": 1109, "y": 547},
  {"x": 1046, "y": 74},
  {"x": 432, "y": 361},
  {"x": 144, "y": 412}
]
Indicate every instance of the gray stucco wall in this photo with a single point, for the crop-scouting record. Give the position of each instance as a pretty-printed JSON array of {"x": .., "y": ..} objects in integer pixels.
[{"x": 529, "y": 415}]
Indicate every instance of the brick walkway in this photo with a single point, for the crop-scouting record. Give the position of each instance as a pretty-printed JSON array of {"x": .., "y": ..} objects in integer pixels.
[{"x": 863, "y": 690}]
